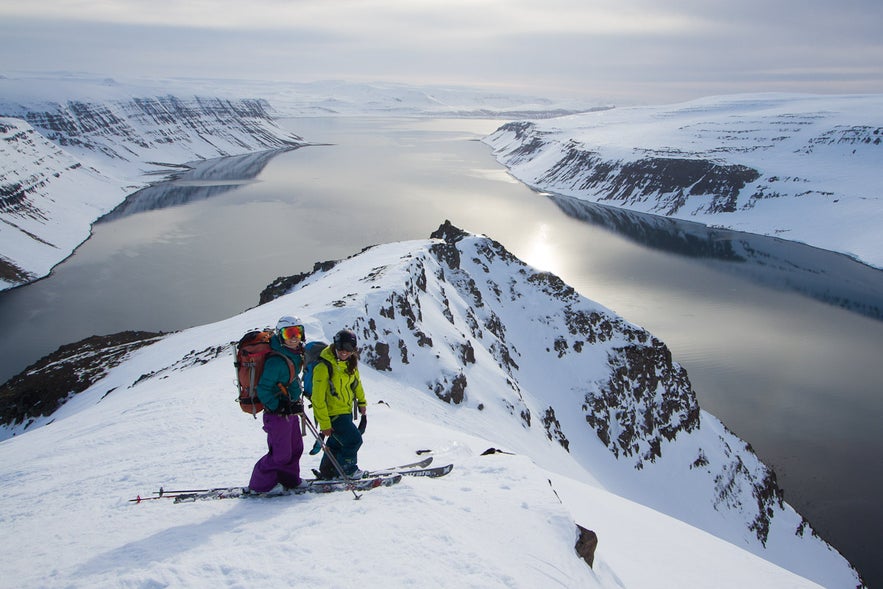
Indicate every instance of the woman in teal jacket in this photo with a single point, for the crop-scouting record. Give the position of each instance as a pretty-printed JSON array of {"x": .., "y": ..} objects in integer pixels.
[
  {"x": 280, "y": 466},
  {"x": 332, "y": 399}
]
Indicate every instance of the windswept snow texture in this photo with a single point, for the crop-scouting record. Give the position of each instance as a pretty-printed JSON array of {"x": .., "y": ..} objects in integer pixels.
[
  {"x": 801, "y": 167},
  {"x": 463, "y": 348}
]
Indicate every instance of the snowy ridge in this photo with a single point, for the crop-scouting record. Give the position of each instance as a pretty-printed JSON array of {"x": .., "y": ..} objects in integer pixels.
[
  {"x": 801, "y": 167},
  {"x": 464, "y": 347},
  {"x": 131, "y": 133}
]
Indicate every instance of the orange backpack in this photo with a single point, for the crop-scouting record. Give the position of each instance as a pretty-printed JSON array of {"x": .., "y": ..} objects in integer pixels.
[{"x": 251, "y": 353}]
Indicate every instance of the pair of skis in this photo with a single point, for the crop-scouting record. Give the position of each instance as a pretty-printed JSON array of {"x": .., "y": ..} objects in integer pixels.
[{"x": 370, "y": 480}]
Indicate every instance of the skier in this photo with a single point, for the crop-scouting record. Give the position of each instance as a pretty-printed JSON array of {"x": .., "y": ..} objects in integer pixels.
[
  {"x": 333, "y": 396},
  {"x": 280, "y": 394}
]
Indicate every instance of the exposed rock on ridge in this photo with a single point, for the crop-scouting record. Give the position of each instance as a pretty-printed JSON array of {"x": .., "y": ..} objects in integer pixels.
[{"x": 44, "y": 386}]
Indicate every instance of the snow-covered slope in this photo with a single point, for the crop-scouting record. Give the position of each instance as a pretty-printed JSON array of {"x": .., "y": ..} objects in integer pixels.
[
  {"x": 464, "y": 347},
  {"x": 48, "y": 201},
  {"x": 802, "y": 167},
  {"x": 65, "y": 163}
]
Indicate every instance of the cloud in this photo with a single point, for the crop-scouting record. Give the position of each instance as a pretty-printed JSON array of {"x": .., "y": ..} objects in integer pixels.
[
  {"x": 354, "y": 17},
  {"x": 642, "y": 50}
]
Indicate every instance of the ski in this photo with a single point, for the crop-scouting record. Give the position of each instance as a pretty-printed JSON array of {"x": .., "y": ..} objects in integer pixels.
[
  {"x": 433, "y": 472},
  {"x": 175, "y": 493},
  {"x": 419, "y": 464},
  {"x": 382, "y": 471},
  {"x": 311, "y": 487}
]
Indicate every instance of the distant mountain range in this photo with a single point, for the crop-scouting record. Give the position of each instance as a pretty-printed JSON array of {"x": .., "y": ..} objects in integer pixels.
[
  {"x": 75, "y": 146},
  {"x": 803, "y": 168}
]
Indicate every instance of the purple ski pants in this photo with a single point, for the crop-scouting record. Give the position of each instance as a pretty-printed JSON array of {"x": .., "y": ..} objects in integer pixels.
[{"x": 282, "y": 463}]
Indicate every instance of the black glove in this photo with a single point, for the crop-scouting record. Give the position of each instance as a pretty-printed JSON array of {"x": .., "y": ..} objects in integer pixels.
[
  {"x": 363, "y": 423},
  {"x": 297, "y": 407},
  {"x": 284, "y": 407}
]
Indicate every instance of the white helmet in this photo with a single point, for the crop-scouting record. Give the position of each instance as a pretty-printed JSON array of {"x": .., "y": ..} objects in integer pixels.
[{"x": 289, "y": 321}]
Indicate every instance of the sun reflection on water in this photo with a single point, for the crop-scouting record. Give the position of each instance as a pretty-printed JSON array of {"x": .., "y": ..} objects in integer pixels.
[{"x": 541, "y": 250}]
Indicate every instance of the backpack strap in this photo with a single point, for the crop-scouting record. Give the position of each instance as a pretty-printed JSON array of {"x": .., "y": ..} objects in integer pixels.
[
  {"x": 292, "y": 374},
  {"x": 330, "y": 368}
]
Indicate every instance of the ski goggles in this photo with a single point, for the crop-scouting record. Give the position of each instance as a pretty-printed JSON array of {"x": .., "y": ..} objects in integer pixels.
[{"x": 292, "y": 332}]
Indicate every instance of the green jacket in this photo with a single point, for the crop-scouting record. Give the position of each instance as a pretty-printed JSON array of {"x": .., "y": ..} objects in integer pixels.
[
  {"x": 346, "y": 387},
  {"x": 276, "y": 371}
]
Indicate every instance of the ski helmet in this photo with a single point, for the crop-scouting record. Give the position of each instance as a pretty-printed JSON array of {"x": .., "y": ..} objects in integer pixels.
[
  {"x": 290, "y": 328},
  {"x": 345, "y": 339}
]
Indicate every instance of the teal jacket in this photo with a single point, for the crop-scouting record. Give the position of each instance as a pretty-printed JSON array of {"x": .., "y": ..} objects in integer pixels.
[
  {"x": 346, "y": 387},
  {"x": 276, "y": 371}
]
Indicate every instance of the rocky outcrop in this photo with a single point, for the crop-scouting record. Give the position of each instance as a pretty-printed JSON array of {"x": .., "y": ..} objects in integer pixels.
[
  {"x": 586, "y": 544},
  {"x": 646, "y": 401},
  {"x": 44, "y": 386},
  {"x": 670, "y": 181}
]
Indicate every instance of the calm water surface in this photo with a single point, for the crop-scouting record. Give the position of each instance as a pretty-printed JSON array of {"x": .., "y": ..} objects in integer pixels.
[{"x": 782, "y": 342}]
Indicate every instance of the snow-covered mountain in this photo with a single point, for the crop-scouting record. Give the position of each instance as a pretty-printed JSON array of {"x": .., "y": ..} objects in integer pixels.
[
  {"x": 343, "y": 98},
  {"x": 64, "y": 163},
  {"x": 801, "y": 167},
  {"x": 48, "y": 201},
  {"x": 464, "y": 348}
]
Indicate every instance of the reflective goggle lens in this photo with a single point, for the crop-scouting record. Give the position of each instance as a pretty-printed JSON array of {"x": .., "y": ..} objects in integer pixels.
[{"x": 293, "y": 332}]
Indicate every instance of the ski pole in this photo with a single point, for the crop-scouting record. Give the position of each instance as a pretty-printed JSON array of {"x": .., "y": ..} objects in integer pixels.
[
  {"x": 139, "y": 498},
  {"x": 328, "y": 453}
]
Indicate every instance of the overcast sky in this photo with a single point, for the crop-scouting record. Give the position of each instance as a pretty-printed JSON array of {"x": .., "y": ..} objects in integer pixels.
[{"x": 623, "y": 51}]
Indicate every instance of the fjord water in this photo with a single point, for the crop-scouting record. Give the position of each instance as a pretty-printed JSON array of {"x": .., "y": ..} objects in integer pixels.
[{"x": 782, "y": 342}]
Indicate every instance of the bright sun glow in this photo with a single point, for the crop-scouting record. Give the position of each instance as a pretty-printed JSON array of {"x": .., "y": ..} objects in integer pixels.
[{"x": 541, "y": 252}]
